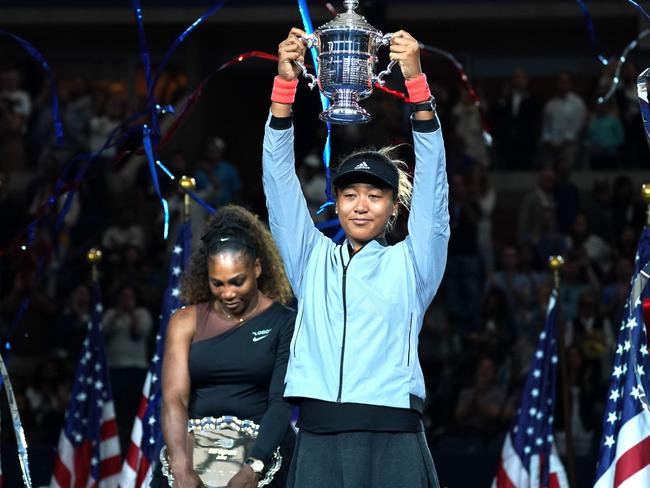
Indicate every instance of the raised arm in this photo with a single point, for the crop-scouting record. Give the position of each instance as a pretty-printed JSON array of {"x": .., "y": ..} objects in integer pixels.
[
  {"x": 176, "y": 394},
  {"x": 289, "y": 219},
  {"x": 428, "y": 223}
]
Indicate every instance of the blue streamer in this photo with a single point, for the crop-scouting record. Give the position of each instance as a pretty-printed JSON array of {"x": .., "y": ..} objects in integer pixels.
[
  {"x": 327, "y": 152},
  {"x": 196, "y": 198},
  {"x": 180, "y": 39},
  {"x": 144, "y": 49},
  {"x": 338, "y": 237},
  {"x": 327, "y": 224},
  {"x": 38, "y": 57},
  {"x": 592, "y": 32},
  {"x": 148, "y": 149}
]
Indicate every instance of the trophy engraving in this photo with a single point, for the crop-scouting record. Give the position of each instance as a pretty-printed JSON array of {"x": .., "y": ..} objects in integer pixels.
[{"x": 347, "y": 55}]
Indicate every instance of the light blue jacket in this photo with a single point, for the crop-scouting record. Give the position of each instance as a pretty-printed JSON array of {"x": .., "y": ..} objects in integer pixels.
[{"x": 356, "y": 333}]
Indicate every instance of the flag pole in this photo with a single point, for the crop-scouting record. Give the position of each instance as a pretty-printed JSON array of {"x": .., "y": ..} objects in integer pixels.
[
  {"x": 187, "y": 184},
  {"x": 555, "y": 263},
  {"x": 645, "y": 195},
  {"x": 94, "y": 257}
]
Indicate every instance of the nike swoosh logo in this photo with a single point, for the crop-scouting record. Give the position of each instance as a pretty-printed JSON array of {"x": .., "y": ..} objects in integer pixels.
[{"x": 255, "y": 339}]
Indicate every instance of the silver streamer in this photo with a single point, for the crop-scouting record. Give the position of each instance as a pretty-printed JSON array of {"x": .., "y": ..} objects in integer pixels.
[{"x": 21, "y": 442}]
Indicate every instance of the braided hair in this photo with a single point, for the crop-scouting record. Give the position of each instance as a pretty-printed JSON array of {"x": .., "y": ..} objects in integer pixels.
[{"x": 235, "y": 229}]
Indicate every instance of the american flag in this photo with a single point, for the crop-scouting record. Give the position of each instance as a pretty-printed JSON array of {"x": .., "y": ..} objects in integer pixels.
[
  {"x": 528, "y": 458},
  {"x": 625, "y": 444},
  {"x": 146, "y": 435},
  {"x": 88, "y": 454}
]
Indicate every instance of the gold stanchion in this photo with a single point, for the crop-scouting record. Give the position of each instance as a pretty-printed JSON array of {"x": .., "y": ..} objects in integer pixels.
[
  {"x": 555, "y": 263},
  {"x": 94, "y": 257},
  {"x": 187, "y": 183}
]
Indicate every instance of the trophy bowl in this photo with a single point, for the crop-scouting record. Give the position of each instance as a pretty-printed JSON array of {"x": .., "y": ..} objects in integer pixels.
[
  {"x": 347, "y": 56},
  {"x": 219, "y": 447}
]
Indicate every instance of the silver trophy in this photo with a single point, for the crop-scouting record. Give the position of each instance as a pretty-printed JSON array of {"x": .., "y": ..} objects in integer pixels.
[
  {"x": 347, "y": 54},
  {"x": 219, "y": 448}
]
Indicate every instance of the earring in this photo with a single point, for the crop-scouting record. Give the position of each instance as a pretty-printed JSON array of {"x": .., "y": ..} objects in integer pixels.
[{"x": 336, "y": 211}]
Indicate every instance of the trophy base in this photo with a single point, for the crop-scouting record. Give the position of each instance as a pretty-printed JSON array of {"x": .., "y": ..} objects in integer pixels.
[
  {"x": 345, "y": 109},
  {"x": 345, "y": 115}
]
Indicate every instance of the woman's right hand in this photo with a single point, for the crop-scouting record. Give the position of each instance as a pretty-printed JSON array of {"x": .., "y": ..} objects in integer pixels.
[
  {"x": 290, "y": 50},
  {"x": 187, "y": 479}
]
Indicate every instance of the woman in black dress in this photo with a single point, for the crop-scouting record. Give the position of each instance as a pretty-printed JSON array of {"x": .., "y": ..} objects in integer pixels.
[{"x": 227, "y": 350}]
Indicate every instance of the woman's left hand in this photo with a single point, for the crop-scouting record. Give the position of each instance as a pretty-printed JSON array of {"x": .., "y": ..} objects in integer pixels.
[
  {"x": 406, "y": 50},
  {"x": 245, "y": 478}
]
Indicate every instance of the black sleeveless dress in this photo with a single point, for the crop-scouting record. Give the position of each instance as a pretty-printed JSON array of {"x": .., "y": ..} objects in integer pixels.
[{"x": 241, "y": 372}]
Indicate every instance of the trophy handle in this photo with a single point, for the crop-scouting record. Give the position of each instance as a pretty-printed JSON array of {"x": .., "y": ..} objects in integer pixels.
[
  {"x": 313, "y": 81},
  {"x": 309, "y": 41},
  {"x": 379, "y": 79}
]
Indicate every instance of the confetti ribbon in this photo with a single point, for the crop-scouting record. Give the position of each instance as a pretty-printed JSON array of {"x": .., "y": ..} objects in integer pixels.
[
  {"x": 148, "y": 149},
  {"x": 639, "y": 8},
  {"x": 21, "y": 442},
  {"x": 327, "y": 150},
  {"x": 487, "y": 136},
  {"x": 616, "y": 80},
  {"x": 40, "y": 59},
  {"x": 180, "y": 39},
  {"x": 592, "y": 32}
]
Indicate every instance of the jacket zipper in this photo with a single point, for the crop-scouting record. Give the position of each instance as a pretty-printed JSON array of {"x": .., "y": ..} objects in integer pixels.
[
  {"x": 345, "y": 322},
  {"x": 408, "y": 355}
]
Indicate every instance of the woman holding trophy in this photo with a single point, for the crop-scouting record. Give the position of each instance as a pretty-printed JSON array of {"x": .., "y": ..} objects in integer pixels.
[
  {"x": 226, "y": 355},
  {"x": 353, "y": 367}
]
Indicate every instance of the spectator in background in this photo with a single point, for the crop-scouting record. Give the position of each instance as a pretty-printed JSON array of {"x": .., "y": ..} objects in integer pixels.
[
  {"x": 599, "y": 209},
  {"x": 71, "y": 327},
  {"x": 567, "y": 198},
  {"x": 582, "y": 241},
  {"x": 577, "y": 276},
  {"x": 635, "y": 149},
  {"x": 617, "y": 291},
  {"x": 516, "y": 118},
  {"x": 127, "y": 330},
  {"x": 593, "y": 334},
  {"x": 125, "y": 232},
  {"x": 76, "y": 111},
  {"x": 519, "y": 291},
  {"x": 469, "y": 129},
  {"x": 12, "y": 149},
  {"x": 19, "y": 99},
  {"x": 12, "y": 214},
  {"x": 534, "y": 203},
  {"x": 549, "y": 241},
  {"x": 604, "y": 138},
  {"x": 108, "y": 111},
  {"x": 486, "y": 197},
  {"x": 313, "y": 182},
  {"x": 626, "y": 209},
  {"x": 482, "y": 408},
  {"x": 563, "y": 120},
  {"x": 497, "y": 332},
  {"x": 586, "y": 404},
  {"x": 217, "y": 180},
  {"x": 462, "y": 279},
  {"x": 48, "y": 396}
]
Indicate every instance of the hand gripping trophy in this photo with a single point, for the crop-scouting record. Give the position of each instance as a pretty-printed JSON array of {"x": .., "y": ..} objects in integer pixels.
[{"x": 347, "y": 54}]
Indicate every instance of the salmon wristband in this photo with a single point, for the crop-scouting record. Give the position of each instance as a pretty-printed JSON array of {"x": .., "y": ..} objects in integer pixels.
[
  {"x": 418, "y": 89},
  {"x": 284, "y": 91}
]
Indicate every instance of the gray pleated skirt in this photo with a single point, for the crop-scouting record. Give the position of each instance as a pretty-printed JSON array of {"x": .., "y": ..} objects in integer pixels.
[{"x": 362, "y": 460}]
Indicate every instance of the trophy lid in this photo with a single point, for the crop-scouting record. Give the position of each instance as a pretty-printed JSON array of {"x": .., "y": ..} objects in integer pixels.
[{"x": 349, "y": 20}]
